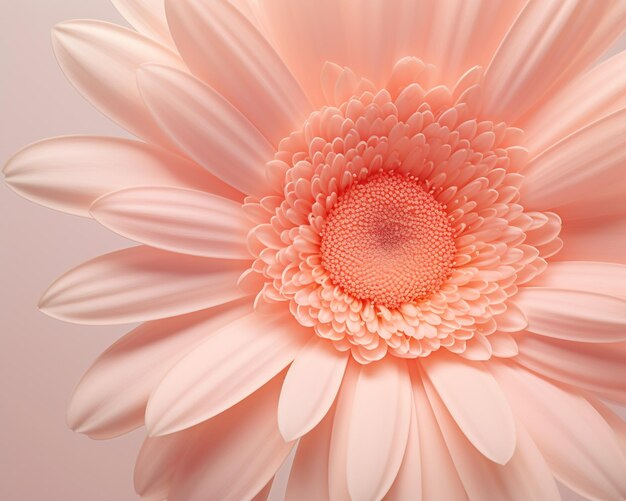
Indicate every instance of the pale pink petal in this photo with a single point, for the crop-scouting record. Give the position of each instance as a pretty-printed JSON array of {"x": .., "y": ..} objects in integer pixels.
[
  {"x": 408, "y": 482},
  {"x": 525, "y": 476},
  {"x": 308, "y": 480},
  {"x": 590, "y": 276},
  {"x": 69, "y": 173},
  {"x": 100, "y": 60},
  {"x": 600, "y": 239},
  {"x": 594, "y": 367},
  {"x": 592, "y": 96},
  {"x": 141, "y": 283},
  {"x": 379, "y": 427},
  {"x": 187, "y": 221},
  {"x": 111, "y": 397},
  {"x": 582, "y": 176},
  {"x": 225, "y": 49},
  {"x": 576, "y": 442},
  {"x": 207, "y": 127},
  {"x": 264, "y": 493},
  {"x": 476, "y": 403},
  {"x": 573, "y": 315},
  {"x": 617, "y": 423},
  {"x": 236, "y": 454},
  {"x": 550, "y": 43},
  {"x": 231, "y": 364},
  {"x": 440, "y": 479},
  {"x": 310, "y": 387},
  {"x": 147, "y": 17}
]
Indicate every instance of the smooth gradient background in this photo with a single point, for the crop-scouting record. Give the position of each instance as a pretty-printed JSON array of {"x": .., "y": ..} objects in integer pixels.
[{"x": 41, "y": 359}]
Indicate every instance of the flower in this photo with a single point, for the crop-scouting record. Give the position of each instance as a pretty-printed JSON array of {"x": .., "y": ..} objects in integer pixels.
[{"x": 355, "y": 236}]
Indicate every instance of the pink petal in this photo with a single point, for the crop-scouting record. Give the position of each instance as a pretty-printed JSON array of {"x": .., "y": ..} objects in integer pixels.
[
  {"x": 589, "y": 276},
  {"x": 550, "y": 42},
  {"x": 592, "y": 96},
  {"x": 207, "y": 127},
  {"x": 379, "y": 428},
  {"x": 228, "y": 366},
  {"x": 141, "y": 283},
  {"x": 525, "y": 476},
  {"x": 408, "y": 482},
  {"x": 308, "y": 480},
  {"x": 573, "y": 315},
  {"x": 476, "y": 403},
  {"x": 187, "y": 221},
  {"x": 236, "y": 454},
  {"x": 69, "y": 173},
  {"x": 111, "y": 397},
  {"x": 582, "y": 175},
  {"x": 147, "y": 17},
  {"x": 615, "y": 421},
  {"x": 594, "y": 367},
  {"x": 440, "y": 479},
  {"x": 225, "y": 49},
  {"x": 310, "y": 387},
  {"x": 100, "y": 60},
  {"x": 576, "y": 442},
  {"x": 600, "y": 239}
]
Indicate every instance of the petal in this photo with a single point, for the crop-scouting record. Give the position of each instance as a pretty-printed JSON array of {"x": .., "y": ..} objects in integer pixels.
[
  {"x": 583, "y": 174},
  {"x": 227, "y": 367},
  {"x": 576, "y": 442},
  {"x": 589, "y": 276},
  {"x": 615, "y": 421},
  {"x": 207, "y": 127},
  {"x": 600, "y": 239},
  {"x": 440, "y": 479},
  {"x": 308, "y": 480},
  {"x": 111, "y": 397},
  {"x": 69, "y": 173},
  {"x": 525, "y": 476},
  {"x": 236, "y": 454},
  {"x": 379, "y": 428},
  {"x": 573, "y": 315},
  {"x": 476, "y": 403},
  {"x": 225, "y": 49},
  {"x": 594, "y": 367},
  {"x": 310, "y": 387},
  {"x": 594, "y": 95},
  {"x": 147, "y": 17},
  {"x": 100, "y": 60},
  {"x": 408, "y": 482},
  {"x": 187, "y": 221},
  {"x": 141, "y": 283},
  {"x": 550, "y": 42}
]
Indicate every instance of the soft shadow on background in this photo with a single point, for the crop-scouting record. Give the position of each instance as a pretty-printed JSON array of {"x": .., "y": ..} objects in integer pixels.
[{"x": 41, "y": 359}]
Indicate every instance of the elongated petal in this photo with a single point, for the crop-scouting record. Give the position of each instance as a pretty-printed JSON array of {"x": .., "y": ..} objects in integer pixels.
[
  {"x": 111, "y": 397},
  {"x": 408, "y": 482},
  {"x": 573, "y": 315},
  {"x": 308, "y": 480},
  {"x": 187, "y": 221},
  {"x": 615, "y": 421},
  {"x": 310, "y": 387},
  {"x": 379, "y": 428},
  {"x": 141, "y": 283},
  {"x": 589, "y": 276},
  {"x": 69, "y": 173},
  {"x": 599, "y": 239},
  {"x": 236, "y": 454},
  {"x": 440, "y": 479},
  {"x": 594, "y": 367},
  {"x": 147, "y": 17},
  {"x": 100, "y": 60},
  {"x": 583, "y": 174},
  {"x": 231, "y": 364},
  {"x": 207, "y": 127},
  {"x": 525, "y": 476},
  {"x": 574, "y": 439},
  {"x": 592, "y": 96},
  {"x": 476, "y": 403},
  {"x": 225, "y": 49},
  {"x": 550, "y": 42}
]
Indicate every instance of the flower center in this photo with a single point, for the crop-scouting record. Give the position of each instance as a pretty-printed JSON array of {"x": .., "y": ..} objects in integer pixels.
[{"x": 388, "y": 241}]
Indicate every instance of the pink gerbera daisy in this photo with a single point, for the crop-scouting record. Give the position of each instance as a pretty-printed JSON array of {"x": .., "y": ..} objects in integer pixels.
[{"x": 389, "y": 233}]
